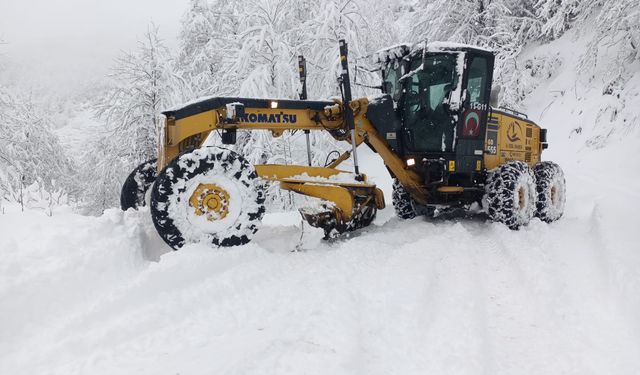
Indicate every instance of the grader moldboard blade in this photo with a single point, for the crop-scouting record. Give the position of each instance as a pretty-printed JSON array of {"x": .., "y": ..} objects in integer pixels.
[{"x": 349, "y": 201}]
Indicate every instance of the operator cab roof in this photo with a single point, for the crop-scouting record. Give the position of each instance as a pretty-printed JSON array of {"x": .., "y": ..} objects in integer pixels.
[{"x": 401, "y": 50}]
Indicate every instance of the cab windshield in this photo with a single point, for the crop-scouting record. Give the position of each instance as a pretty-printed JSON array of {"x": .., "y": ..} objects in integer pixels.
[{"x": 429, "y": 127}]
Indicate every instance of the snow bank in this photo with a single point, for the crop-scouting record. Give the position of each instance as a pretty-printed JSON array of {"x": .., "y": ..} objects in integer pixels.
[
  {"x": 55, "y": 269},
  {"x": 592, "y": 105}
]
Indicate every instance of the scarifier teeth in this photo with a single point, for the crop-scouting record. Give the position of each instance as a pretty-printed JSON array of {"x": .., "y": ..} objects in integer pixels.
[{"x": 332, "y": 222}]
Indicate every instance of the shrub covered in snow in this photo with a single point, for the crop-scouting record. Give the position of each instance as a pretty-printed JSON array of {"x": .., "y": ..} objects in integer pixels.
[{"x": 31, "y": 157}]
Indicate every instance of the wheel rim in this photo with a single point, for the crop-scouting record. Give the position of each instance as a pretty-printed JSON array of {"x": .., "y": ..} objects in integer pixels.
[{"x": 210, "y": 200}]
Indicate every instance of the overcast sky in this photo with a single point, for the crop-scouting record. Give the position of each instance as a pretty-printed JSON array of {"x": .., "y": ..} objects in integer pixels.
[{"x": 74, "y": 40}]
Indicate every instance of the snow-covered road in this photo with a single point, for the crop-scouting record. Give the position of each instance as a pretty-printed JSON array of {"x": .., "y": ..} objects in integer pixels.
[{"x": 85, "y": 295}]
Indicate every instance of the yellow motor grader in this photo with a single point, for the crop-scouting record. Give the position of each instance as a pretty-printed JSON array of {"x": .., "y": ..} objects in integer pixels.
[{"x": 444, "y": 144}]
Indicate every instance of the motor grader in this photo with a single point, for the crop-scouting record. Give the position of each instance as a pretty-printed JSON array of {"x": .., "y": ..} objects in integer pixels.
[{"x": 434, "y": 126}]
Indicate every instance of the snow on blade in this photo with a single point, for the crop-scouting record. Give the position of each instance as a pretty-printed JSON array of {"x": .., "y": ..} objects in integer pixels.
[{"x": 348, "y": 178}]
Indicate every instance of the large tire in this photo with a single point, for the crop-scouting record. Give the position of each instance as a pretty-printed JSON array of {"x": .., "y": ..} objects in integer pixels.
[
  {"x": 210, "y": 195},
  {"x": 511, "y": 194},
  {"x": 135, "y": 187},
  {"x": 403, "y": 203},
  {"x": 550, "y": 189}
]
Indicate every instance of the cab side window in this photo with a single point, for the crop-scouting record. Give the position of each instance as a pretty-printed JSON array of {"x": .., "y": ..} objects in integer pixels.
[
  {"x": 391, "y": 82},
  {"x": 477, "y": 84}
]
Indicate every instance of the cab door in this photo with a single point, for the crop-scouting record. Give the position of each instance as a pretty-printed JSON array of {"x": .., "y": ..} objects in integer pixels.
[
  {"x": 428, "y": 127},
  {"x": 473, "y": 120}
]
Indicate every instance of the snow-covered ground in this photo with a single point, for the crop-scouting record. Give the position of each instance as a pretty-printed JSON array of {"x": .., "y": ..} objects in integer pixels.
[
  {"x": 87, "y": 295},
  {"x": 104, "y": 295}
]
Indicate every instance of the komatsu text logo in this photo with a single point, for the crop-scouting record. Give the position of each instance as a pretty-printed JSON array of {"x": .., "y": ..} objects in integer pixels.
[{"x": 276, "y": 118}]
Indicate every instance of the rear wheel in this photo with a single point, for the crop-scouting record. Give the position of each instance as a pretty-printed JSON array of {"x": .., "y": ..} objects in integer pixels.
[
  {"x": 511, "y": 194},
  {"x": 403, "y": 203},
  {"x": 137, "y": 184},
  {"x": 550, "y": 189},
  {"x": 208, "y": 195}
]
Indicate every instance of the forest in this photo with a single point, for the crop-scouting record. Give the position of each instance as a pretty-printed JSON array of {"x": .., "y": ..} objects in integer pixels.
[{"x": 250, "y": 49}]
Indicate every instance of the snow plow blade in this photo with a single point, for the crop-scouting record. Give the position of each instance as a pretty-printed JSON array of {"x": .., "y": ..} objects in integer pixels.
[{"x": 348, "y": 203}]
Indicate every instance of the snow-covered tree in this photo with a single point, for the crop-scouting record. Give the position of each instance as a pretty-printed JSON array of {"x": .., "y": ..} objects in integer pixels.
[
  {"x": 143, "y": 84},
  {"x": 504, "y": 26},
  {"x": 557, "y": 16},
  {"x": 250, "y": 49},
  {"x": 617, "y": 23},
  {"x": 31, "y": 152},
  {"x": 208, "y": 31},
  {"x": 141, "y": 89}
]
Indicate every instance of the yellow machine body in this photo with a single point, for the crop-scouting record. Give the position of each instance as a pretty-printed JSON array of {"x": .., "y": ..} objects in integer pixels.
[
  {"x": 190, "y": 132},
  {"x": 508, "y": 137},
  {"x": 511, "y": 137},
  {"x": 449, "y": 148}
]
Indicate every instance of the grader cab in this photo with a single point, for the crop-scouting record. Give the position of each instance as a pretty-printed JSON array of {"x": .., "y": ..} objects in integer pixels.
[{"x": 433, "y": 126}]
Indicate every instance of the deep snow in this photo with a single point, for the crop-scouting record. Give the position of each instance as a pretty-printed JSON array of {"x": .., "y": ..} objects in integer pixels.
[{"x": 87, "y": 295}]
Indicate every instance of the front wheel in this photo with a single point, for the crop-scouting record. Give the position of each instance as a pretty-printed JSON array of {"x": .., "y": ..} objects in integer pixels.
[
  {"x": 210, "y": 195},
  {"x": 403, "y": 203},
  {"x": 511, "y": 194}
]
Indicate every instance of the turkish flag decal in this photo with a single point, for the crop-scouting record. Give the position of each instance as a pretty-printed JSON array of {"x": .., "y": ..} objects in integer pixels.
[{"x": 471, "y": 126}]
